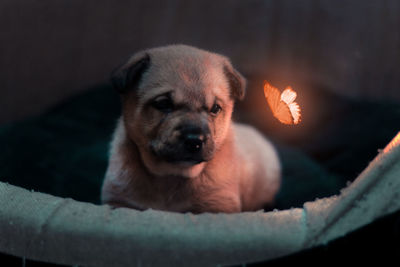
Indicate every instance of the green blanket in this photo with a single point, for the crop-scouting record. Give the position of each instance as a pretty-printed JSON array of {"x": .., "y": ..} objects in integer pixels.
[{"x": 63, "y": 152}]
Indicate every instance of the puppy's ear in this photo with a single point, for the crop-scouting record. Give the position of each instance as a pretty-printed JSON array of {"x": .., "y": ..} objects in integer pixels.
[
  {"x": 128, "y": 75},
  {"x": 236, "y": 82}
]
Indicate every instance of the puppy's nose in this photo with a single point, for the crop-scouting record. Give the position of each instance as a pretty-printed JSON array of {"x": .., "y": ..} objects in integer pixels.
[{"x": 193, "y": 142}]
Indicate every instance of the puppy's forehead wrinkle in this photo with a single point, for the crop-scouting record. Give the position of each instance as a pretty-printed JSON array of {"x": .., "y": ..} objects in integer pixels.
[
  {"x": 194, "y": 77},
  {"x": 189, "y": 71},
  {"x": 187, "y": 64}
]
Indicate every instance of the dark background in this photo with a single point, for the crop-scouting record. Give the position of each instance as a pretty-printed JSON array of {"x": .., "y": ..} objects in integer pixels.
[{"x": 53, "y": 49}]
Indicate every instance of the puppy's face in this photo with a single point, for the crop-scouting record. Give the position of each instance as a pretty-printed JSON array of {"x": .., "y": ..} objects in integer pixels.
[{"x": 177, "y": 106}]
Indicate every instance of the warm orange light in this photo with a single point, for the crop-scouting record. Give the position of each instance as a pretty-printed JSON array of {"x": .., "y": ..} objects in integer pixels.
[
  {"x": 395, "y": 142},
  {"x": 282, "y": 104}
]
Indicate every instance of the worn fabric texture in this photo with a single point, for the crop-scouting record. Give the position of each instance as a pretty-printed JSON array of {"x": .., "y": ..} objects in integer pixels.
[{"x": 48, "y": 228}]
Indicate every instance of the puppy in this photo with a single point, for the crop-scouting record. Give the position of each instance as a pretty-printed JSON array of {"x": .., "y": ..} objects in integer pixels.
[{"x": 175, "y": 147}]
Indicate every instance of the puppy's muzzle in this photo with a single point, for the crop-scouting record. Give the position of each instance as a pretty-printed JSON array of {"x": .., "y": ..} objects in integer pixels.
[{"x": 192, "y": 145}]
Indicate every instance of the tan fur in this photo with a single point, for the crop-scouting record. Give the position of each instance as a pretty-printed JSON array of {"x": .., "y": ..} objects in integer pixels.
[{"x": 243, "y": 172}]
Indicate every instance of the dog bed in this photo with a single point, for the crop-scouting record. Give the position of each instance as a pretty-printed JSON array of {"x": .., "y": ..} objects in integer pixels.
[{"x": 63, "y": 155}]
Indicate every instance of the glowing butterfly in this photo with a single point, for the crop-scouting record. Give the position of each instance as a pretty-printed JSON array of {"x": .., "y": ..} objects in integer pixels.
[{"x": 282, "y": 105}]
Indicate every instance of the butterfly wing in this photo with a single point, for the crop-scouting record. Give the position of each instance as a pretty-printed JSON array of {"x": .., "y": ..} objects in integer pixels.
[
  {"x": 280, "y": 109},
  {"x": 288, "y": 96},
  {"x": 295, "y": 112},
  {"x": 283, "y": 114},
  {"x": 272, "y": 95}
]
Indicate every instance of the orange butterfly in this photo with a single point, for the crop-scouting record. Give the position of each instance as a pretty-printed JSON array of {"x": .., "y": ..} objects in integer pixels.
[{"x": 282, "y": 105}]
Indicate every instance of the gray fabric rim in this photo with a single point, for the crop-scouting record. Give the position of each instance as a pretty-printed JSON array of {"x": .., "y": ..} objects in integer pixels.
[{"x": 48, "y": 228}]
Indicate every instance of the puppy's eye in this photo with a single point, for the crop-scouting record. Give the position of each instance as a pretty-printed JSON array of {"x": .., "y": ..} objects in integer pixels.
[
  {"x": 215, "y": 109},
  {"x": 163, "y": 104}
]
